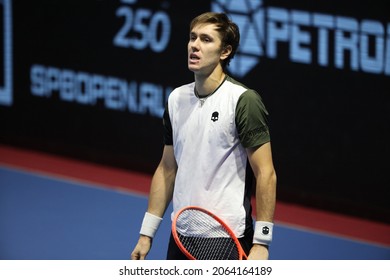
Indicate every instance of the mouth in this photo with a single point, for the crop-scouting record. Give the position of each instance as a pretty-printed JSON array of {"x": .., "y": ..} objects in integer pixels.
[{"x": 193, "y": 58}]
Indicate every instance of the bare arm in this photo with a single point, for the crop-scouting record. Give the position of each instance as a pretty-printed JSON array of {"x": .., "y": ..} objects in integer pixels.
[
  {"x": 262, "y": 165},
  {"x": 161, "y": 191}
]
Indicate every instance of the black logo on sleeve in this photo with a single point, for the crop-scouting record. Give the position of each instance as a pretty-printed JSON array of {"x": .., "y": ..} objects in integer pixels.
[
  {"x": 215, "y": 116},
  {"x": 265, "y": 230}
]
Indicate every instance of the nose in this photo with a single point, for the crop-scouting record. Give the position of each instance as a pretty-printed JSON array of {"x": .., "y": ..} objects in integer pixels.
[{"x": 194, "y": 44}]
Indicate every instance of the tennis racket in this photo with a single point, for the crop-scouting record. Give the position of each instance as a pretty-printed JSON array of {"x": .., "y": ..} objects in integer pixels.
[{"x": 201, "y": 235}]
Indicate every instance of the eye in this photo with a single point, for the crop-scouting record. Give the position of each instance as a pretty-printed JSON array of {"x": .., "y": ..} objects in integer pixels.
[
  {"x": 206, "y": 39},
  {"x": 192, "y": 37}
]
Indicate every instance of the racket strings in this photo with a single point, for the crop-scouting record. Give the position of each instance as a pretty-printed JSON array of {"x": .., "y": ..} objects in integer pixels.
[
  {"x": 208, "y": 239},
  {"x": 210, "y": 248}
]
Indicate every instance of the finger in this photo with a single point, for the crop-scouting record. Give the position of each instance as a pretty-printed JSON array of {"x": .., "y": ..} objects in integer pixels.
[{"x": 135, "y": 256}]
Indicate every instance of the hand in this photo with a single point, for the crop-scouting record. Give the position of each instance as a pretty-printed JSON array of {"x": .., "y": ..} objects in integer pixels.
[
  {"x": 258, "y": 252},
  {"x": 142, "y": 248}
]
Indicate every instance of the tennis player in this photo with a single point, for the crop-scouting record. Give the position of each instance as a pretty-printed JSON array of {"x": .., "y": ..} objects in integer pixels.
[{"x": 217, "y": 146}]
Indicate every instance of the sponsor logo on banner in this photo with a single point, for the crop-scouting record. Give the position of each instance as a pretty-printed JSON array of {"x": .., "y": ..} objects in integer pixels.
[
  {"x": 325, "y": 40},
  {"x": 141, "y": 29}
]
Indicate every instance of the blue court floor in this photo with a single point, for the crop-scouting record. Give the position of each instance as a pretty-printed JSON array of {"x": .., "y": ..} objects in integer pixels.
[{"x": 44, "y": 217}]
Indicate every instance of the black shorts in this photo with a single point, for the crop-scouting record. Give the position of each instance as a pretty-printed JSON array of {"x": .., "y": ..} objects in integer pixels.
[{"x": 174, "y": 252}]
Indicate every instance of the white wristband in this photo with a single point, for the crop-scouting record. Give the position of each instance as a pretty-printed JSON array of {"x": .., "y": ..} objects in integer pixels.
[
  {"x": 150, "y": 224},
  {"x": 263, "y": 233}
]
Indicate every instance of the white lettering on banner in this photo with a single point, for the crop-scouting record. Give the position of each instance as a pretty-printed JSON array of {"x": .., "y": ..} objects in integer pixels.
[
  {"x": 342, "y": 42},
  {"x": 142, "y": 28},
  {"x": 88, "y": 89},
  {"x": 6, "y": 89}
]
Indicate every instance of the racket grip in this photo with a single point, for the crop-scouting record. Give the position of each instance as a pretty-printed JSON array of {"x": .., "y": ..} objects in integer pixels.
[
  {"x": 263, "y": 233},
  {"x": 150, "y": 224}
]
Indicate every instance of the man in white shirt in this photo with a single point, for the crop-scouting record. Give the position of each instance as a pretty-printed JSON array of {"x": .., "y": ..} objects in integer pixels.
[{"x": 217, "y": 146}]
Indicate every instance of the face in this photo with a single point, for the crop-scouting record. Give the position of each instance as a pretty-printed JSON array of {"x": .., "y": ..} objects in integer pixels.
[{"x": 204, "y": 49}]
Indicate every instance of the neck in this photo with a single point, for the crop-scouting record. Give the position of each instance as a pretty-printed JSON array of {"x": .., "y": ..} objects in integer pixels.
[{"x": 206, "y": 85}]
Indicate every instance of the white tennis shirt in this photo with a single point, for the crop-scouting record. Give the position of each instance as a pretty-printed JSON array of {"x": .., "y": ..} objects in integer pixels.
[{"x": 209, "y": 138}]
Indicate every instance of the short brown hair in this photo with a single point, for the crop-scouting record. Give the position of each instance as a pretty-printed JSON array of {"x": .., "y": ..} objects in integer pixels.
[{"x": 229, "y": 31}]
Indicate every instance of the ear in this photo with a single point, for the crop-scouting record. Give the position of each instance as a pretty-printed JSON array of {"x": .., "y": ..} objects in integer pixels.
[{"x": 226, "y": 51}]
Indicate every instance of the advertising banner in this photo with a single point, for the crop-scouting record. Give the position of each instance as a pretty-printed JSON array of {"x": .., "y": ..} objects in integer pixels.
[{"x": 89, "y": 79}]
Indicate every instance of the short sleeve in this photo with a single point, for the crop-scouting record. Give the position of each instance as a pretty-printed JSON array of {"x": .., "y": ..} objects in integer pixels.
[
  {"x": 251, "y": 120},
  {"x": 168, "y": 137}
]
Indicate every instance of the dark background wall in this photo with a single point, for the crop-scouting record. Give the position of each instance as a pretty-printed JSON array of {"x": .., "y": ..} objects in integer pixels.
[{"x": 90, "y": 79}]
